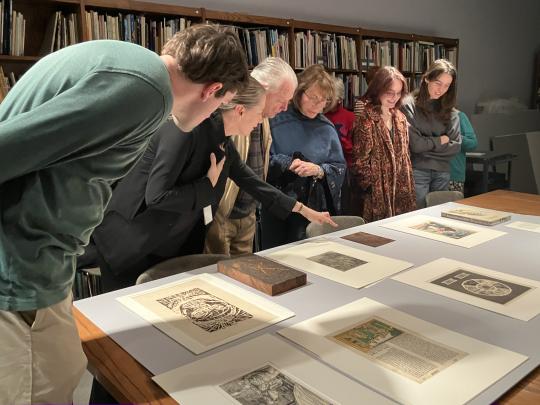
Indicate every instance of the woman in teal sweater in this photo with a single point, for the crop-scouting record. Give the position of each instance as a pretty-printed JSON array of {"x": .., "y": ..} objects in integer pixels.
[{"x": 457, "y": 164}]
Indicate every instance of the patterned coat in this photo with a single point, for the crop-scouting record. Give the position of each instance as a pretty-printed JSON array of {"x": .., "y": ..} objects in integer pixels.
[{"x": 382, "y": 170}]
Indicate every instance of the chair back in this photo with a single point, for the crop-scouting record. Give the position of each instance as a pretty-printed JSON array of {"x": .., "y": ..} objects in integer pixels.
[
  {"x": 178, "y": 265},
  {"x": 441, "y": 197},
  {"x": 343, "y": 221}
]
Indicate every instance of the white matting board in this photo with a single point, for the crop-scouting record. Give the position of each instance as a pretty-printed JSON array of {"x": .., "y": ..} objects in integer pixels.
[
  {"x": 278, "y": 373},
  {"x": 445, "y": 230},
  {"x": 337, "y": 262},
  {"x": 433, "y": 360},
  {"x": 204, "y": 311},
  {"x": 502, "y": 293},
  {"x": 516, "y": 253}
]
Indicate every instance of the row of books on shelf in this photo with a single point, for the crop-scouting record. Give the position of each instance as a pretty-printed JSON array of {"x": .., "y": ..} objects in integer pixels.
[
  {"x": 151, "y": 33},
  {"x": 7, "y": 81},
  {"x": 12, "y": 30},
  {"x": 426, "y": 52},
  {"x": 353, "y": 88},
  {"x": 405, "y": 56},
  {"x": 62, "y": 30},
  {"x": 387, "y": 53},
  {"x": 260, "y": 43},
  {"x": 333, "y": 51}
]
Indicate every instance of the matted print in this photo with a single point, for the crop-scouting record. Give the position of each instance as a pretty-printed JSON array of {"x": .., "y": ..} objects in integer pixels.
[
  {"x": 269, "y": 386},
  {"x": 482, "y": 286},
  {"x": 410, "y": 360},
  {"x": 444, "y": 230},
  {"x": 338, "y": 262},
  {"x": 502, "y": 293},
  {"x": 525, "y": 226},
  {"x": 399, "y": 350},
  {"x": 437, "y": 228},
  {"x": 263, "y": 371},
  {"x": 203, "y": 311}
]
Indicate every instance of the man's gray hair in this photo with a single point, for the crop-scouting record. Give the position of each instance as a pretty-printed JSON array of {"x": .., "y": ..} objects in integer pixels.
[
  {"x": 339, "y": 88},
  {"x": 272, "y": 72}
]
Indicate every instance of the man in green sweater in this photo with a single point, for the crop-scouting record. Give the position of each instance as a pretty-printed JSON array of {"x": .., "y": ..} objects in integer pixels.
[{"x": 76, "y": 122}]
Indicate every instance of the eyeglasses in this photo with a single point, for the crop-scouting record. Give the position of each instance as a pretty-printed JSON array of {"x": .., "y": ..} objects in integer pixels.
[
  {"x": 317, "y": 100},
  {"x": 392, "y": 94}
]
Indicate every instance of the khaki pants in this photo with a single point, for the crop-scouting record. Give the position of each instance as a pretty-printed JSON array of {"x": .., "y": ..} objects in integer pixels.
[
  {"x": 231, "y": 237},
  {"x": 41, "y": 357}
]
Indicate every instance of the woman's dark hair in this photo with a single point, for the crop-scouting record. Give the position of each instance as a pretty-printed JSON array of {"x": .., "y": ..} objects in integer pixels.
[
  {"x": 381, "y": 83},
  {"x": 447, "y": 102}
]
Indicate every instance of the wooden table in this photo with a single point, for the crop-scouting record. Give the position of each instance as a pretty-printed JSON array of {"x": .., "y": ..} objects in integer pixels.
[{"x": 129, "y": 382}]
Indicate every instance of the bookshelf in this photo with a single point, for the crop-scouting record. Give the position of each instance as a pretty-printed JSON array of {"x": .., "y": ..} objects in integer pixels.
[
  {"x": 260, "y": 36},
  {"x": 347, "y": 52}
]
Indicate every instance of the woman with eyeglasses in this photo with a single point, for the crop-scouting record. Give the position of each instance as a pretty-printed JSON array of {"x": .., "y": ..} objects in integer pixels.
[
  {"x": 435, "y": 136},
  {"x": 306, "y": 159},
  {"x": 381, "y": 175}
]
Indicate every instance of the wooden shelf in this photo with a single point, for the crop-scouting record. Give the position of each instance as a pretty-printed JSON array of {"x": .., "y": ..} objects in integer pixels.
[
  {"x": 327, "y": 28},
  {"x": 22, "y": 59},
  {"x": 386, "y": 35},
  {"x": 38, "y": 13},
  {"x": 353, "y": 71},
  {"x": 144, "y": 7},
  {"x": 237, "y": 18}
]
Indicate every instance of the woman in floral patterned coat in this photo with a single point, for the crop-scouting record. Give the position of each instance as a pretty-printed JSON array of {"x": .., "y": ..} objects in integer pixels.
[{"x": 382, "y": 170}]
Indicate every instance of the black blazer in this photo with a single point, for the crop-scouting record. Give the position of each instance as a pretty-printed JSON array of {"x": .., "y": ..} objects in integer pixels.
[{"x": 158, "y": 204}]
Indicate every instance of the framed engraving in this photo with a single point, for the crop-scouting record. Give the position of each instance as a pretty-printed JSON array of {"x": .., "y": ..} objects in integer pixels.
[
  {"x": 265, "y": 370},
  {"x": 203, "y": 311},
  {"x": 503, "y": 293},
  {"x": 444, "y": 230}
]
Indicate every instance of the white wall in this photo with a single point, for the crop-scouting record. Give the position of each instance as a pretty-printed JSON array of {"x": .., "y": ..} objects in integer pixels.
[{"x": 498, "y": 38}]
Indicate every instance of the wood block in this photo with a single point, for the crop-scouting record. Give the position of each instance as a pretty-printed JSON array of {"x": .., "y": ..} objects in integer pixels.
[
  {"x": 262, "y": 274},
  {"x": 367, "y": 239}
]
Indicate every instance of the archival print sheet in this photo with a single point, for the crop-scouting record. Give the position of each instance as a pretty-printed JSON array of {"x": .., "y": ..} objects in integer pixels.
[
  {"x": 340, "y": 263},
  {"x": 203, "y": 311},
  {"x": 444, "y": 230},
  {"x": 263, "y": 371},
  {"x": 525, "y": 226},
  {"x": 410, "y": 360},
  {"x": 503, "y": 293}
]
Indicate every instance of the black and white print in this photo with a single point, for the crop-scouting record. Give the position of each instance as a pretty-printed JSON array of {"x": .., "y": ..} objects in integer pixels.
[
  {"x": 205, "y": 310},
  {"x": 337, "y": 260},
  {"x": 269, "y": 386},
  {"x": 481, "y": 286}
]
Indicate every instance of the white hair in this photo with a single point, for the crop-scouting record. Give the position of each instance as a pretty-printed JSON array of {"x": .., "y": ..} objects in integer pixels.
[
  {"x": 339, "y": 88},
  {"x": 272, "y": 72}
]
